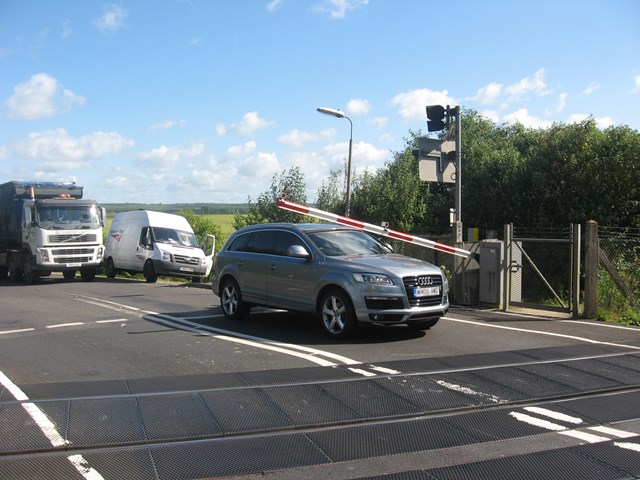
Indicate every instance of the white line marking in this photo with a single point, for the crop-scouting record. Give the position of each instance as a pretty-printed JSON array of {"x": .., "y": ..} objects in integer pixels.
[
  {"x": 602, "y": 324},
  {"x": 48, "y": 428},
  {"x": 555, "y": 415},
  {"x": 525, "y": 330},
  {"x": 364, "y": 373},
  {"x": 112, "y": 321},
  {"x": 61, "y": 325},
  {"x": 468, "y": 391},
  {"x": 629, "y": 446},
  {"x": 390, "y": 371},
  {"x": 17, "y": 331},
  {"x": 584, "y": 436},
  {"x": 613, "y": 432},
  {"x": 310, "y": 354},
  {"x": 537, "y": 422}
]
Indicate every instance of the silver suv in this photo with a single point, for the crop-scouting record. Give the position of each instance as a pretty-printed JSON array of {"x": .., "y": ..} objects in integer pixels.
[{"x": 344, "y": 275}]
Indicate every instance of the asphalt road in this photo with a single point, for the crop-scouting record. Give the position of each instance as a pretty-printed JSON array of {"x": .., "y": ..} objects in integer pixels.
[{"x": 67, "y": 346}]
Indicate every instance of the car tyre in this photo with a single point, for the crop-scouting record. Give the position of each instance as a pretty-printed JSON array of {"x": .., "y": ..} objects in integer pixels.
[
  {"x": 233, "y": 307},
  {"x": 69, "y": 274},
  {"x": 110, "y": 268},
  {"x": 337, "y": 314},
  {"x": 149, "y": 272}
]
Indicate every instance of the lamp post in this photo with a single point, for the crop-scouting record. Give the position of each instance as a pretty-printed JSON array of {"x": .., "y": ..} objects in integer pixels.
[{"x": 337, "y": 113}]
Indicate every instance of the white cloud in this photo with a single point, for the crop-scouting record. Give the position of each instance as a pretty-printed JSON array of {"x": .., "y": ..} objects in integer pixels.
[
  {"x": 339, "y": 8},
  {"x": 593, "y": 86},
  {"x": 112, "y": 19},
  {"x": 249, "y": 125},
  {"x": 636, "y": 84},
  {"x": 412, "y": 104},
  {"x": 167, "y": 124},
  {"x": 165, "y": 157},
  {"x": 534, "y": 83},
  {"x": 41, "y": 97},
  {"x": 296, "y": 138},
  {"x": 380, "y": 122},
  {"x": 195, "y": 41},
  {"x": 358, "y": 106},
  {"x": 562, "y": 102},
  {"x": 601, "y": 122},
  {"x": 273, "y": 4},
  {"x": 58, "y": 150},
  {"x": 489, "y": 94},
  {"x": 65, "y": 24},
  {"x": 522, "y": 116},
  {"x": 239, "y": 151},
  {"x": 261, "y": 165}
]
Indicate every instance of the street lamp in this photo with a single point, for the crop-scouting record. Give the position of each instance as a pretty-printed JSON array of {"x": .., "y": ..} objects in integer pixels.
[{"x": 337, "y": 113}]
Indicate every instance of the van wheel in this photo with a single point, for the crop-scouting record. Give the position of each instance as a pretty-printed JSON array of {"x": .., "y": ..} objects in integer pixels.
[
  {"x": 233, "y": 307},
  {"x": 337, "y": 314},
  {"x": 149, "y": 272},
  {"x": 110, "y": 268},
  {"x": 69, "y": 274}
]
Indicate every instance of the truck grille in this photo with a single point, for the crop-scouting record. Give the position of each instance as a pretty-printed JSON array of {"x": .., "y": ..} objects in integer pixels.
[
  {"x": 418, "y": 281},
  {"x": 84, "y": 238},
  {"x": 72, "y": 251},
  {"x": 186, "y": 260},
  {"x": 72, "y": 259}
]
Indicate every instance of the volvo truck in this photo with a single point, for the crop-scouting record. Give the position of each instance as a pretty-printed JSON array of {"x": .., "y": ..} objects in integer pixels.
[{"x": 48, "y": 227}]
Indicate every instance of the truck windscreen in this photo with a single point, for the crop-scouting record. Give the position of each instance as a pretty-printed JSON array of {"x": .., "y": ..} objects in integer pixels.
[{"x": 69, "y": 217}]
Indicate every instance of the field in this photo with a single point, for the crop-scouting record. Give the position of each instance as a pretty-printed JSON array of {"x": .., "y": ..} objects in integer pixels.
[{"x": 225, "y": 220}]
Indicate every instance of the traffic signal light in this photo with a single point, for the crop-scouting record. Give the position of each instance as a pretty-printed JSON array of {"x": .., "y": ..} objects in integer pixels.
[{"x": 436, "y": 115}]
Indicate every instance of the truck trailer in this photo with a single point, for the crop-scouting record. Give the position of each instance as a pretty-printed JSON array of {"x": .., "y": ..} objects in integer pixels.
[{"x": 48, "y": 227}]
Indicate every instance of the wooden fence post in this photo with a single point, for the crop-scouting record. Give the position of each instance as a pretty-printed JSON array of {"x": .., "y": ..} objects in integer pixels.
[{"x": 591, "y": 269}]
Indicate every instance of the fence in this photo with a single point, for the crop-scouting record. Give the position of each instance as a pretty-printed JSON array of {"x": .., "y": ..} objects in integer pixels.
[{"x": 619, "y": 272}]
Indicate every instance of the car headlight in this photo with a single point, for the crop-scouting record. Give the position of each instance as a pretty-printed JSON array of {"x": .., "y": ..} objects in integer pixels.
[
  {"x": 166, "y": 256},
  {"x": 372, "y": 278},
  {"x": 445, "y": 284}
]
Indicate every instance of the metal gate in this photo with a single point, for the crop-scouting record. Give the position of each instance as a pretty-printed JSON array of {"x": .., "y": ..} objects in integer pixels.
[{"x": 542, "y": 268}]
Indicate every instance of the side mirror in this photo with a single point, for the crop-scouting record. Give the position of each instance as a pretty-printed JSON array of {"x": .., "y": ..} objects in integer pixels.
[
  {"x": 298, "y": 251},
  {"x": 103, "y": 219}
]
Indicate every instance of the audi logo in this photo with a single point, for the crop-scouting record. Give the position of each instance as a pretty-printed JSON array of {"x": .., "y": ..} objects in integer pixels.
[{"x": 423, "y": 281}]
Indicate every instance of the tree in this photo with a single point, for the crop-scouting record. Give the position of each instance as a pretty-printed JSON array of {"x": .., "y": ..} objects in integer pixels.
[
  {"x": 202, "y": 226},
  {"x": 264, "y": 210}
]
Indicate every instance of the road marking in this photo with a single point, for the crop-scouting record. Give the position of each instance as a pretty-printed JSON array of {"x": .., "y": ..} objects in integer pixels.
[
  {"x": 115, "y": 320},
  {"x": 539, "y": 332},
  {"x": 578, "y": 434},
  {"x": 62, "y": 325},
  {"x": 17, "y": 331},
  {"x": 468, "y": 391},
  {"x": 48, "y": 428},
  {"x": 319, "y": 357}
]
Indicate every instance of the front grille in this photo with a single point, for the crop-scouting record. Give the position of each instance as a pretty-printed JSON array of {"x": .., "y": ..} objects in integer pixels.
[
  {"x": 82, "y": 238},
  {"x": 186, "y": 260},
  {"x": 72, "y": 259},
  {"x": 420, "y": 281},
  {"x": 382, "y": 303},
  {"x": 72, "y": 251}
]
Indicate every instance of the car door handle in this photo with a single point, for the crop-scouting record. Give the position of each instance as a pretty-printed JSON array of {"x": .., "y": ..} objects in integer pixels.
[{"x": 273, "y": 267}]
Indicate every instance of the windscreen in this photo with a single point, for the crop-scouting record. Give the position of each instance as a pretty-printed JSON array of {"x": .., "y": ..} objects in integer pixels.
[
  {"x": 342, "y": 242},
  {"x": 68, "y": 217},
  {"x": 175, "y": 237}
]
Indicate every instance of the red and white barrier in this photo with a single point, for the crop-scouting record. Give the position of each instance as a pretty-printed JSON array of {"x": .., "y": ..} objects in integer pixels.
[{"x": 371, "y": 228}]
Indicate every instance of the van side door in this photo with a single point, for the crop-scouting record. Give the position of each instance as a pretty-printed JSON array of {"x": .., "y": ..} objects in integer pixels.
[{"x": 144, "y": 249}]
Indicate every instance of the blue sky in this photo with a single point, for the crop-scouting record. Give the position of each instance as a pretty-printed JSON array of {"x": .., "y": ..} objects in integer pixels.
[{"x": 205, "y": 100}]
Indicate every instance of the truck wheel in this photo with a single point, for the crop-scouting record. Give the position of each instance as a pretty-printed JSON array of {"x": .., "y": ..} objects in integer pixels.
[
  {"x": 110, "y": 268},
  {"x": 88, "y": 274},
  {"x": 69, "y": 274},
  {"x": 4, "y": 271},
  {"x": 149, "y": 272},
  {"x": 15, "y": 272},
  {"x": 337, "y": 314},
  {"x": 29, "y": 274}
]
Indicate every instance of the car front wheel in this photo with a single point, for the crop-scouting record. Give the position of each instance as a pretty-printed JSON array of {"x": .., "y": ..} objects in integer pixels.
[
  {"x": 337, "y": 314},
  {"x": 233, "y": 307}
]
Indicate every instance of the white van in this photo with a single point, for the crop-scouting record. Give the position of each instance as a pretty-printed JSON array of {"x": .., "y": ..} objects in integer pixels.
[{"x": 155, "y": 243}]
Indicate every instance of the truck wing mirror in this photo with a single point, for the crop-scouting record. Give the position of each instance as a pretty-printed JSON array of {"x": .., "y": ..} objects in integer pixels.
[{"x": 28, "y": 220}]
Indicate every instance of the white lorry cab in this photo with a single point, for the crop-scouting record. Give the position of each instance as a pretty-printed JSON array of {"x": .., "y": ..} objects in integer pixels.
[{"x": 155, "y": 243}]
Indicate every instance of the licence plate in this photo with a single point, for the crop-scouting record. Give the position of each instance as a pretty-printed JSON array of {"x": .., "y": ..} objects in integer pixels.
[
  {"x": 187, "y": 269},
  {"x": 73, "y": 265},
  {"x": 426, "y": 291}
]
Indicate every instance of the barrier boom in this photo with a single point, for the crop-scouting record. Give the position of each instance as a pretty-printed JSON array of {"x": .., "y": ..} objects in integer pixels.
[{"x": 369, "y": 227}]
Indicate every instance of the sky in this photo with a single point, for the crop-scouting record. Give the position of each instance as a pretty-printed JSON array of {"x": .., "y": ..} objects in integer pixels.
[{"x": 174, "y": 101}]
